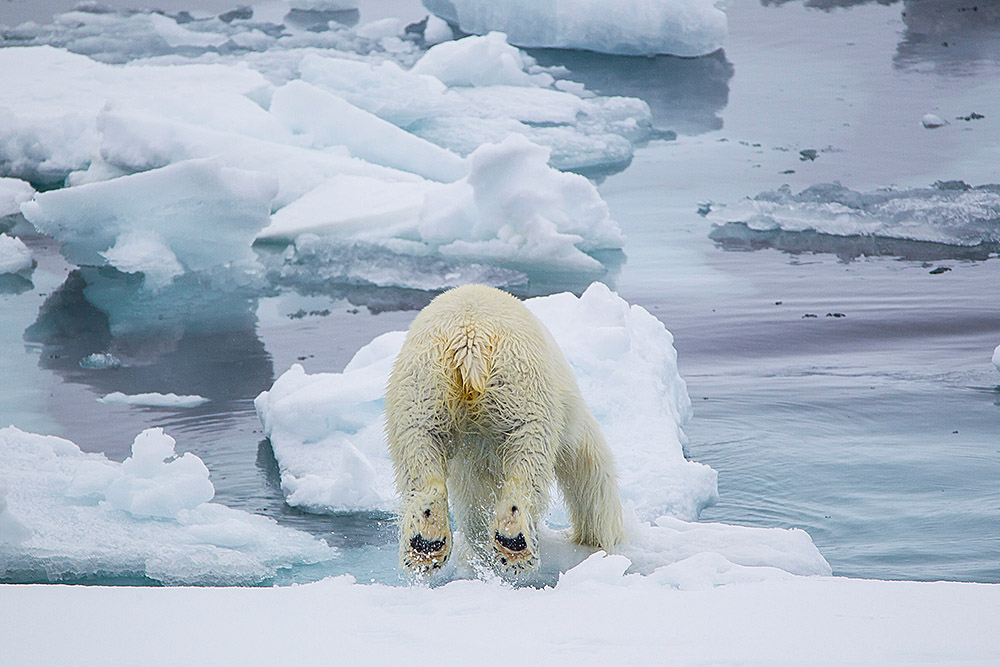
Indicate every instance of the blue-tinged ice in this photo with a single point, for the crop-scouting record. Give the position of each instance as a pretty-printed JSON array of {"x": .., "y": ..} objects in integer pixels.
[
  {"x": 73, "y": 516},
  {"x": 626, "y": 27},
  {"x": 946, "y": 219}
]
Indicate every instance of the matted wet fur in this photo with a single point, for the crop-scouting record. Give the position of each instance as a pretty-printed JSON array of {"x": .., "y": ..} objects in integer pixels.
[{"x": 483, "y": 408}]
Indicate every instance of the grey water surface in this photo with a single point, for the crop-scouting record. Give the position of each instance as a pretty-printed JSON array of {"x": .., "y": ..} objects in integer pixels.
[{"x": 846, "y": 392}]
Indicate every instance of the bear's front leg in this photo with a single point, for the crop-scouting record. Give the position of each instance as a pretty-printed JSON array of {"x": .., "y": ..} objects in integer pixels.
[{"x": 424, "y": 530}]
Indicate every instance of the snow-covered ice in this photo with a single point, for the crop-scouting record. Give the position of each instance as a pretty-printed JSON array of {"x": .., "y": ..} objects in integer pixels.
[
  {"x": 948, "y": 213},
  {"x": 595, "y": 615},
  {"x": 153, "y": 400},
  {"x": 146, "y": 518},
  {"x": 512, "y": 209},
  {"x": 327, "y": 434},
  {"x": 932, "y": 121},
  {"x": 996, "y": 357},
  {"x": 327, "y": 429},
  {"x": 15, "y": 257},
  {"x": 193, "y": 215},
  {"x": 13, "y": 193},
  {"x": 630, "y": 27},
  {"x": 335, "y": 141}
]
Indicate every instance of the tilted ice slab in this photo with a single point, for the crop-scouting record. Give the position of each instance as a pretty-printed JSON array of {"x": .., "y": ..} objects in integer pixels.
[
  {"x": 71, "y": 515},
  {"x": 327, "y": 434},
  {"x": 48, "y": 128},
  {"x": 188, "y": 216},
  {"x": 950, "y": 213},
  {"x": 512, "y": 209},
  {"x": 630, "y": 27},
  {"x": 327, "y": 429},
  {"x": 476, "y": 90}
]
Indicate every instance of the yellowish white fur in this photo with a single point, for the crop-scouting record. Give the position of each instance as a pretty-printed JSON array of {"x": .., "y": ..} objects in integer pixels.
[{"x": 483, "y": 407}]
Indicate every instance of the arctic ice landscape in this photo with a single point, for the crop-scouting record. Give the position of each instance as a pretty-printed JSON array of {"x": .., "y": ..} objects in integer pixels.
[{"x": 764, "y": 233}]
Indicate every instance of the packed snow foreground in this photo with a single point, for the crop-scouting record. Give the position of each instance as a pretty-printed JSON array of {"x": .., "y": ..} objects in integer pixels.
[
  {"x": 177, "y": 144},
  {"x": 327, "y": 433}
]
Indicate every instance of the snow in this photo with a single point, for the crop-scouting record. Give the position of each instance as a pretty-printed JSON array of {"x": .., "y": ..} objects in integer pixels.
[
  {"x": 996, "y": 357},
  {"x": 338, "y": 142},
  {"x": 512, "y": 210},
  {"x": 326, "y": 429},
  {"x": 480, "y": 61},
  {"x": 595, "y": 616},
  {"x": 153, "y": 400},
  {"x": 13, "y": 193},
  {"x": 147, "y": 518},
  {"x": 628, "y": 27},
  {"x": 951, "y": 213},
  {"x": 583, "y": 132},
  {"x": 15, "y": 257},
  {"x": 932, "y": 121}
]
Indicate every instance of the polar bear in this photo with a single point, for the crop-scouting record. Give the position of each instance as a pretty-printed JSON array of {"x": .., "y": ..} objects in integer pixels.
[{"x": 482, "y": 405}]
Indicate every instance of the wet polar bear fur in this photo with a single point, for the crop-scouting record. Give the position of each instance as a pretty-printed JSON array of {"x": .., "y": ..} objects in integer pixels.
[{"x": 482, "y": 406}]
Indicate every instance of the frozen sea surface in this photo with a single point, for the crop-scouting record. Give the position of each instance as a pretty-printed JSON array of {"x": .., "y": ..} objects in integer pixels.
[{"x": 873, "y": 428}]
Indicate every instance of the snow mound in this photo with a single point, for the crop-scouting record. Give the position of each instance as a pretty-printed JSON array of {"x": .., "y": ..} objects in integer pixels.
[
  {"x": 13, "y": 193},
  {"x": 512, "y": 210},
  {"x": 152, "y": 400},
  {"x": 948, "y": 213},
  {"x": 630, "y": 27},
  {"x": 146, "y": 518},
  {"x": 326, "y": 430},
  {"x": 15, "y": 257}
]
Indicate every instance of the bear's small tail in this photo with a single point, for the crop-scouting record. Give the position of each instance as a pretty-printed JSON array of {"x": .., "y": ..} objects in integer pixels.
[{"x": 469, "y": 354}]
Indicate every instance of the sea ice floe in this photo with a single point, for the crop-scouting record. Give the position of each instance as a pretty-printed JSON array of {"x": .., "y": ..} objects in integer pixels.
[
  {"x": 151, "y": 147},
  {"x": 327, "y": 434},
  {"x": 996, "y": 357},
  {"x": 13, "y": 193},
  {"x": 79, "y": 516},
  {"x": 153, "y": 400},
  {"x": 193, "y": 215},
  {"x": 633, "y": 27},
  {"x": 326, "y": 429},
  {"x": 512, "y": 210},
  {"x": 948, "y": 213},
  {"x": 15, "y": 257}
]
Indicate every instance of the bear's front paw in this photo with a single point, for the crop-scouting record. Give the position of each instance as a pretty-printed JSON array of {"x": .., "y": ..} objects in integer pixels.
[
  {"x": 424, "y": 535},
  {"x": 514, "y": 542}
]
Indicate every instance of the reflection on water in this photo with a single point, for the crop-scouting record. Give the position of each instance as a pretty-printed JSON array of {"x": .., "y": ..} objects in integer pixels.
[
  {"x": 209, "y": 347},
  {"x": 949, "y": 36},
  {"x": 685, "y": 95}
]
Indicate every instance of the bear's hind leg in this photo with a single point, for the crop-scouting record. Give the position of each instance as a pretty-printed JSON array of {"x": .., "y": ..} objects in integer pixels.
[
  {"x": 527, "y": 475},
  {"x": 587, "y": 479}
]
